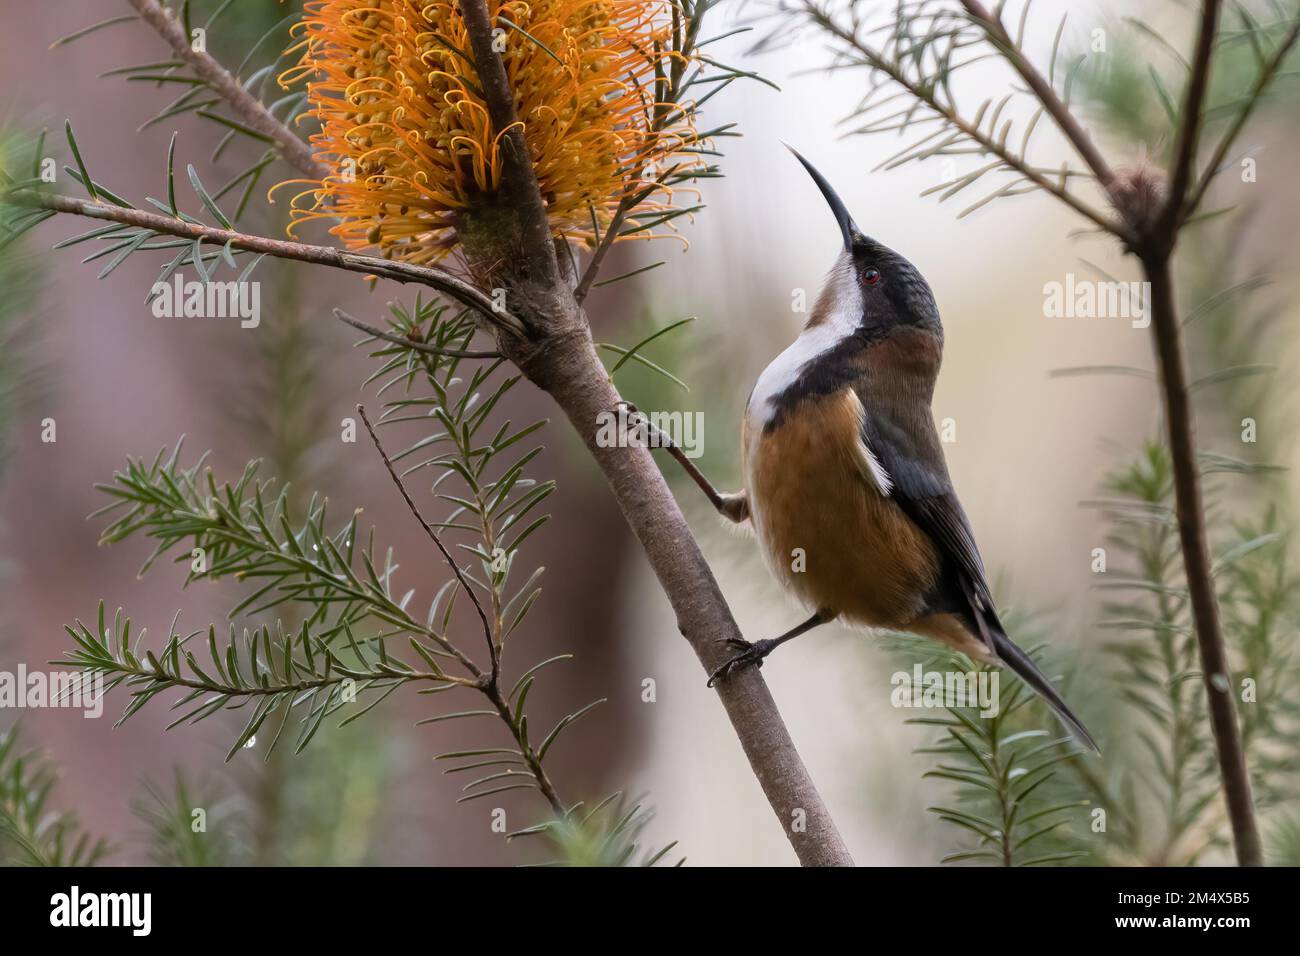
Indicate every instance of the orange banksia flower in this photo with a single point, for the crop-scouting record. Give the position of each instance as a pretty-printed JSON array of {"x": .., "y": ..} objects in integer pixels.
[{"x": 407, "y": 135}]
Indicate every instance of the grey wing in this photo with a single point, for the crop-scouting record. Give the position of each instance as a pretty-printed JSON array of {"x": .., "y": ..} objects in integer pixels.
[{"x": 909, "y": 452}]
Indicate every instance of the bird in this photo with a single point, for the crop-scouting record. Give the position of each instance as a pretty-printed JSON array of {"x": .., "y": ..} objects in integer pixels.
[{"x": 845, "y": 482}]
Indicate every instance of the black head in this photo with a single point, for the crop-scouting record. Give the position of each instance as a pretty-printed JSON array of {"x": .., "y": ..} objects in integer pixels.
[{"x": 880, "y": 285}]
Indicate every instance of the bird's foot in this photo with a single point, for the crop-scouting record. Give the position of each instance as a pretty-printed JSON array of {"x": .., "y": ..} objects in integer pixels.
[{"x": 749, "y": 654}]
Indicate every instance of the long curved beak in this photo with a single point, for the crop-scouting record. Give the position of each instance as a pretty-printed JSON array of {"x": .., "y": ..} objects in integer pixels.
[{"x": 848, "y": 228}]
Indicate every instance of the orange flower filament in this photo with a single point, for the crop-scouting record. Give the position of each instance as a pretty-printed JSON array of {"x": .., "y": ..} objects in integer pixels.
[{"x": 409, "y": 141}]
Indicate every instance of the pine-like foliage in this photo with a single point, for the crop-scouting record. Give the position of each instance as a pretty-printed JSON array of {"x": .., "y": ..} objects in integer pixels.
[
  {"x": 260, "y": 37},
  {"x": 189, "y": 826},
  {"x": 359, "y": 638},
  {"x": 608, "y": 834},
  {"x": 1005, "y": 768},
  {"x": 1156, "y": 796},
  {"x": 322, "y": 632},
  {"x": 1160, "y": 789},
  {"x": 20, "y": 277},
  {"x": 32, "y": 832},
  {"x": 908, "y": 57}
]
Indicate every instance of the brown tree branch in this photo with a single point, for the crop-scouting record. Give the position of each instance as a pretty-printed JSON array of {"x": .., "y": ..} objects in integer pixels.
[
  {"x": 443, "y": 281},
  {"x": 1189, "y": 131},
  {"x": 1152, "y": 239},
  {"x": 1216, "y": 673},
  {"x": 1155, "y": 249},
  {"x": 1043, "y": 91},
  {"x": 561, "y": 358},
  {"x": 1262, "y": 82},
  {"x": 290, "y": 145},
  {"x": 972, "y": 132},
  {"x": 568, "y": 367}
]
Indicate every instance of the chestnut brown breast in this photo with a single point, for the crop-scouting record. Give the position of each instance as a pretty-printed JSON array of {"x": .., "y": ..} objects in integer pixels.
[{"x": 815, "y": 503}]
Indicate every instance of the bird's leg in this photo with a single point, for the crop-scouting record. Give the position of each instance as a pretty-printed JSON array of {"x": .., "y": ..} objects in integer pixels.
[
  {"x": 755, "y": 652},
  {"x": 735, "y": 506}
]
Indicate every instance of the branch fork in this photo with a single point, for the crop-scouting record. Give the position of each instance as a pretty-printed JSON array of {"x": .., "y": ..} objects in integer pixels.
[{"x": 547, "y": 335}]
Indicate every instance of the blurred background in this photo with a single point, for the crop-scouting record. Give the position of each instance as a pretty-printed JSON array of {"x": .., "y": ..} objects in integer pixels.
[{"x": 1029, "y": 448}]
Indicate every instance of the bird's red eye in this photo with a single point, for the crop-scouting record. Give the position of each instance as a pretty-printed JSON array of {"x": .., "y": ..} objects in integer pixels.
[{"x": 870, "y": 277}]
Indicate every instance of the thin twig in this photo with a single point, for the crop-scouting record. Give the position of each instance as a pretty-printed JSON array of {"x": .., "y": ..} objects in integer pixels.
[
  {"x": 433, "y": 535},
  {"x": 417, "y": 346},
  {"x": 625, "y": 206},
  {"x": 612, "y": 231},
  {"x": 489, "y": 684},
  {"x": 455, "y": 287},
  {"x": 1215, "y": 670},
  {"x": 1066, "y": 121},
  {"x": 987, "y": 143},
  {"x": 1189, "y": 131},
  {"x": 1155, "y": 250},
  {"x": 602, "y": 249},
  {"x": 256, "y": 116},
  {"x": 561, "y": 359},
  {"x": 1262, "y": 82}
]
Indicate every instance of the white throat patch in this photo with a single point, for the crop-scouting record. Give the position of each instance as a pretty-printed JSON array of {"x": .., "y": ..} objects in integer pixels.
[{"x": 841, "y": 304}]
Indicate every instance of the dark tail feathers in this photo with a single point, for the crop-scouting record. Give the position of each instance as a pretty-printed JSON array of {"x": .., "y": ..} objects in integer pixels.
[{"x": 1023, "y": 667}]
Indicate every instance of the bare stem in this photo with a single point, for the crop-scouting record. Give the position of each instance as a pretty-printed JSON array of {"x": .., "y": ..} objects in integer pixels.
[
  {"x": 251, "y": 111},
  {"x": 518, "y": 177},
  {"x": 446, "y": 282},
  {"x": 1155, "y": 250},
  {"x": 1189, "y": 131},
  {"x": 1196, "y": 563},
  {"x": 602, "y": 249},
  {"x": 950, "y": 115},
  {"x": 488, "y": 684},
  {"x": 428, "y": 529},
  {"x": 561, "y": 359},
  {"x": 1220, "y": 155},
  {"x": 1066, "y": 121}
]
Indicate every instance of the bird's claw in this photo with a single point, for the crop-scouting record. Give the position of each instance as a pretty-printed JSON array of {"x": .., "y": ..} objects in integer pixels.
[{"x": 749, "y": 654}]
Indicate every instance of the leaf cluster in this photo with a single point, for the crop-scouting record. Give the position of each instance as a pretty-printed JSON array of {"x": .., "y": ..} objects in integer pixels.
[
  {"x": 117, "y": 242},
  {"x": 608, "y": 834},
  {"x": 256, "y": 72},
  {"x": 1008, "y": 792},
  {"x": 32, "y": 832},
  {"x": 911, "y": 53}
]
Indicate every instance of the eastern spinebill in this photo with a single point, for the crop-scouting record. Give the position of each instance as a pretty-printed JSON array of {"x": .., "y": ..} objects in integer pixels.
[{"x": 846, "y": 486}]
